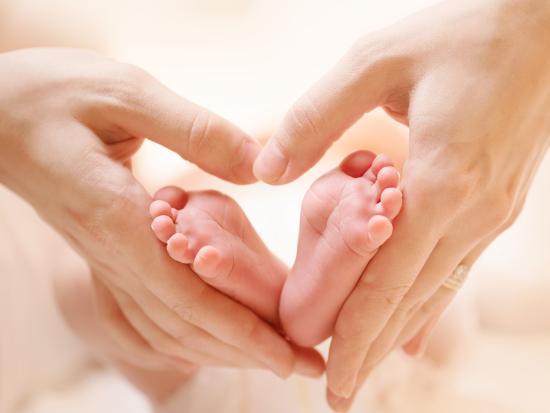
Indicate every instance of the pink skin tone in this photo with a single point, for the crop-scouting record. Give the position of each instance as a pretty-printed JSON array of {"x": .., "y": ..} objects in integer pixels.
[
  {"x": 346, "y": 216},
  {"x": 211, "y": 232}
]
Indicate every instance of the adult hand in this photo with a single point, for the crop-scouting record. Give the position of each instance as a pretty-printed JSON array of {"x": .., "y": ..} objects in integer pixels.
[
  {"x": 69, "y": 122},
  {"x": 472, "y": 82}
]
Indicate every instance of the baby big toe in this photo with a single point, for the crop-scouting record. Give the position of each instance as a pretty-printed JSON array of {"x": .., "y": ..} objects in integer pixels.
[
  {"x": 173, "y": 195},
  {"x": 357, "y": 163},
  {"x": 379, "y": 230},
  {"x": 177, "y": 247},
  {"x": 211, "y": 264},
  {"x": 163, "y": 227},
  {"x": 390, "y": 203}
]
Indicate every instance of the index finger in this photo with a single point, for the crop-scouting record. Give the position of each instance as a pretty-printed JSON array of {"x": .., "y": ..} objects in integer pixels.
[{"x": 359, "y": 83}]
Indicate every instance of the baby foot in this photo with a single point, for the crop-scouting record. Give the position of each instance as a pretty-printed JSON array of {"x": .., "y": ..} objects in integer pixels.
[
  {"x": 346, "y": 216},
  {"x": 211, "y": 232}
]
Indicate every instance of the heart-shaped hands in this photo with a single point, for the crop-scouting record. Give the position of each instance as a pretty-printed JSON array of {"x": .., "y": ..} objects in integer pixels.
[{"x": 346, "y": 216}]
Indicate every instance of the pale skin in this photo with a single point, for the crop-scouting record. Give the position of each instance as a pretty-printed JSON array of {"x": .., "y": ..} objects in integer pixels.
[
  {"x": 346, "y": 217},
  {"x": 472, "y": 81},
  {"x": 478, "y": 115},
  {"x": 67, "y": 133}
]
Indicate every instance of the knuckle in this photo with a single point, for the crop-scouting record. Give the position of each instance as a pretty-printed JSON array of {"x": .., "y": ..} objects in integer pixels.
[
  {"x": 423, "y": 187},
  {"x": 365, "y": 51},
  {"x": 185, "y": 310},
  {"x": 188, "y": 308},
  {"x": 252, "y": 329},
  {"x": 403, "y": 313},
  {"x": 239, "y": 156},
  {"x": 349, "y": 328},
  {"x": 162, "y": 346},
  {"x": 120, "y": 194},
  {"x": 500, "y": 208},
  {"x": 125, "y": 87},
  {"x": 429, "y": 308},
  {"x": 184, "y": 339},
  {"x": 376, "y": 53},
  {"x": 388, "y": 295},
  {"x": 134, "y": 74},
  {"x": 441, "y": 193},
  {"x": 512, "y": 217},
  {"x": 198, "y": 139},
  {"x": 304, "y": 119}
]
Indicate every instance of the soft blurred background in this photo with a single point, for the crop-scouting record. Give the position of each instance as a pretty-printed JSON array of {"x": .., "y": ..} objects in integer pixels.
[{"x": 249, "y": 60}]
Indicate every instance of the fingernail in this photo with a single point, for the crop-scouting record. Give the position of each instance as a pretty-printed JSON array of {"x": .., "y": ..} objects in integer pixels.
[
  {"x": 243, "y": 170},
  {"x": 283, "y": 370},
  {"x": 346, "y": 389},
  {"x": 340, "y": 404},
  {"x": 308, "y": 369},
  {"x": 270, "y": 164},
  {"x": 421, "y": 350},
  {"x": 283, "y": 374}
]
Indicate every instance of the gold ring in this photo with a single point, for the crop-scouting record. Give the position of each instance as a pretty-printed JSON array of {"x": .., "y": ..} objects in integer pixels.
[{"x": 457, "y": 278}]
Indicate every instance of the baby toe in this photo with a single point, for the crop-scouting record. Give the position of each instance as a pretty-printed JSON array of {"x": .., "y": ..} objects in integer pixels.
[
  {"x": 163, "y": 227},
  {"x": 159, "y": 207},
  {"x": 177, "y": 247},
  {"x": 390, "y": 203},
  {"x": 206, "y": 262},
  {"x": 387, "y": 177},
  {"x": 381, "y": 161},
  {"x": 173, "y": 195},
  {"x": 357, "y": 163},
  {"x": 379, "y": 230}
]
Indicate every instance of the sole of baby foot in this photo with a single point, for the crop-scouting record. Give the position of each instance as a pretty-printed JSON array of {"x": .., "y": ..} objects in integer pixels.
[
  {"x": 346, "y": 217},
  {"x": 212, "y": 234}
]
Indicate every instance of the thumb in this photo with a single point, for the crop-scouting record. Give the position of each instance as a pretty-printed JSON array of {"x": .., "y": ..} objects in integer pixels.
[
  {"x": 152, "y": 111},
  {"x": 357, "y": 84}
]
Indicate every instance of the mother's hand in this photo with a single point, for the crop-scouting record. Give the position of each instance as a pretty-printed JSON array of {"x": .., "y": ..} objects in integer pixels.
[
  {"x": 472, "y": 82},
  {"x": 69, "y": 122}
]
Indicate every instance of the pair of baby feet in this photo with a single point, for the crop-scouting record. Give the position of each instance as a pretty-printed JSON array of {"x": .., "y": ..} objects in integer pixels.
[{"x": 346, "y": 216}]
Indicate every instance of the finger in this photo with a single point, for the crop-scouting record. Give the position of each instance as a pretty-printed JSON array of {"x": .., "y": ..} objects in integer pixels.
[
  {"x": 416, "y": 346},
  {"x": 195, "y": 302},
  {"x": 163, "y": 227},
  {"x": 340, "y": 404},
  {"x": 132, "y": 347},
  {"x": 445, "y": 257},
  {"x": 360, "y": 82},
  {"x": 164, "y": 343},
  {"x": 230, "y": 322},
  {"x": 309, "y": 362},
  {"x": 190, "y": 336},
  {"x": 382, "y": 286},
  {"x": 198, "y": 135},
  {"x": 416, "y": 334}
]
